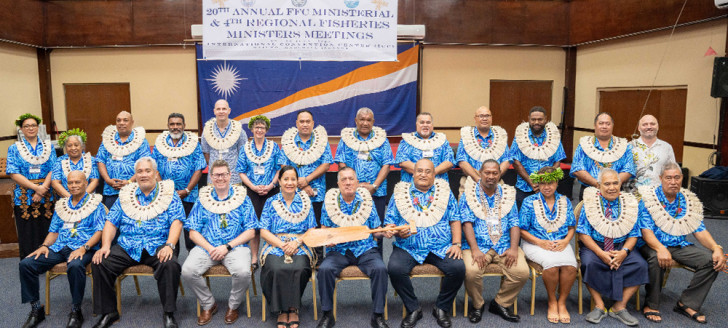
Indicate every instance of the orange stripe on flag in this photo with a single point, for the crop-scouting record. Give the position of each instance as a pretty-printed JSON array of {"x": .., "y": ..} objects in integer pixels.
[{"x": 373, "y": 71}]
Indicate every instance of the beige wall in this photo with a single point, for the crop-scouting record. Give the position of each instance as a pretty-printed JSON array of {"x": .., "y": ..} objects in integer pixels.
[
  {"x": 456, "y": 79},
  {"x": 19, "y": 88}
]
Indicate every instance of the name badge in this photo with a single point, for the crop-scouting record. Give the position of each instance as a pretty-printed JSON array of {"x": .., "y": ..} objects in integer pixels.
[
  {"x": 68, "y": 225},
  {"x": 428, "y": 153},
  {"x": 172, "y": 159},
  {"x": 34, "y": 169},
  {"x": 363, "y": 155},
  {"x": 224, "y": 151},
  {"x": 259, "y": 170},
  {"x": 117, "y": 158}
]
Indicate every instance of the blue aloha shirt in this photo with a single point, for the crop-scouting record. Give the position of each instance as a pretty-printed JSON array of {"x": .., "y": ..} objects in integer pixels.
[
  {"x": 136, "y": 237},
  {"x": 271, "y": 221},
  {"x": 585, "y": 228},
  {"x": 318, "y": 184},
  {"x": 486, "y": 142},
  {"x": 271, "y": 166},
  {"x": 58, "y": 169},
  {"x": 367, "y": 170},
  {"x": 123, "y": 169},
  {"x": 582, "y": 162},
  {"x": 533, "y": 165},
  {"x": 17, "y": 165},
  {"x": 406, "y": 152},
  {"x": 527, "y": 218},
  {"x": 230, "y": 156},
  {"x": 210, "y": 225},
  {"x": 481, "y": 227},
  {"x": 84, "y": 229},
  {"x": 181, "y": 170},
  {"x": 360, "y": 246},
  {"x": 435, "y": 239},
  {"x": 646, "y": 221}
]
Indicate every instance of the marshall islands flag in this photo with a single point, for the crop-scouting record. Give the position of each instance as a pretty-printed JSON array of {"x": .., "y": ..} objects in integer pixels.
[{"x": 332, "y": 91}]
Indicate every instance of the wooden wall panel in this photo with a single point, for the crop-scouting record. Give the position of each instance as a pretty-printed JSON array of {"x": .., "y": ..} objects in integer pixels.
[
  {"x": 22, "y": 21},
  {"x": 105, "y": 100},
  {"x": 510, "y": 101},
  {"x": 88, "y": 23}
]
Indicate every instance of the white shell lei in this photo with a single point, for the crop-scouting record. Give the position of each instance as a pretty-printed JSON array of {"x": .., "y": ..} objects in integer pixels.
[
  {"x": 221, "y": 143},
  {"x": 474, "y": 150},
  {"x": 69, "y": 215},
  {"x": 176, "y": 152},
  {"x": 132, "y": 208},
  {"x": 545, "y": 222},
  {"x": 289, "y": 216},
  {"x": 107, "y": 138},
  {"x": 345, "y": 220},
  {"x": 267, "y": 151},
  {"x": 619, "y": 146},
  {"x": 308, "y": 156},
  {"x": 87, "y": 165},
  {"x": 433, "y": 142},
  {"x": 222, "y": 206},
  {"x": 543, "y": 152},
  {"x": 349, "y": 138},
  {"x": 676, "y": 227},
  {"x": 606, "y": 227},
  {"x": 505, "y": 205},
  {"x": 431, "y": 215},
  {"x": 32, "y": 159}
]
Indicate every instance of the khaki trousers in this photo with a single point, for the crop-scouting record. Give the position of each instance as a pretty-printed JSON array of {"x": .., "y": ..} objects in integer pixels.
[{"x": 515, "y": 277}]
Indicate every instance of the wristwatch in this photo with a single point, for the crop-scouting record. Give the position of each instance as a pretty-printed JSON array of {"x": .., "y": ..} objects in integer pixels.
[
  {"x": 458, "y": 245},
  {"x": 229, "y": 248},
  {"x": 86, "y": 247},
  {"x": 170, "y": 245},
  {"x": 627, "y": 250}
]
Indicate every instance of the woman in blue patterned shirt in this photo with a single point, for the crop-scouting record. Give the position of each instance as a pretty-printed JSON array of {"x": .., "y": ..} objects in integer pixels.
[{"x": 75, "y": 159}]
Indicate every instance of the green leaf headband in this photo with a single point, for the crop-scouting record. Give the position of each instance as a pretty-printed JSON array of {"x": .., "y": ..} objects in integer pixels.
[
  {"x": 258, "y": 117},
  {"x": 22, "y": 118},
  {"x": 547, "y": 177},
  {"x": 74, "y": 132}
]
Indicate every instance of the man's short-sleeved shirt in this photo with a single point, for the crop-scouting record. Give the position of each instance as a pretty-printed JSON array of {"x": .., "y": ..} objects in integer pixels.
[
  {"x": 180, "y": 170},
  {"x": 582, "y": 162},
  {"x": 480, "y": 226},
  {"x": 75, "y": 235},
  {"x": 533, "y": 165},
  {"x": 677, "y": 209},
  {"x": 407, "y": 152},
  {"x": 485, "y": 143},
  {"x": 230, "y": 154},
  {"x": 121, "y": 168},
  {"x": 357, "y": 247},
  {"x": 366, "y": 164},
  {"x": 318, "y": 184}
]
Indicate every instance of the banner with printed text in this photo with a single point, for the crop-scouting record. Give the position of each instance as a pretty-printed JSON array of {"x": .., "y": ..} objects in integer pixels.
[{"x": 338, "y": 30}]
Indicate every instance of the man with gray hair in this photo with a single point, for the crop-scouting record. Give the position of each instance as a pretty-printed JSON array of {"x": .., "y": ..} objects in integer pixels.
[
  {"x": 650, "y": 154},
  {"x": 149, "y": 217},
  {"x": 223, "y": 138}
]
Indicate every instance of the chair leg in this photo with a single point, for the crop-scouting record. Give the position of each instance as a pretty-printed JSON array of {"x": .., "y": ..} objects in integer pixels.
[
  {"x": 336, "y": 285},
  {"x": 667, "y": 274},
  {"x": 136, "y": 284},
  {"x": 247, "y": 301},
  {"x": 181, "y": 288},
  {"x": 386, "y": 310},
  {"x": 465, "y": 311},
  {"x": 579, "y": 293},
  {"x": 198, "y": 308},
  {"x": 48, "y": 293},
  {"x": 313, "y": 290},
  {"x": 637, "y": 300},
  {"x": 454, "y": 308},
  {"x": 118, "y": 295},
  {"x": 252, "y": 280},
  {"x": 92, "y": 290},
  {"x": 533, "y": 290},
  {"x": 263, "y": 303}
]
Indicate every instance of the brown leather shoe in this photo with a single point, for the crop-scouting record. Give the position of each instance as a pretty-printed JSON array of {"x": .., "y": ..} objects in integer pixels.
[
  {"x": 206, "y": 315},
  {"x": 231, "y": 316}
]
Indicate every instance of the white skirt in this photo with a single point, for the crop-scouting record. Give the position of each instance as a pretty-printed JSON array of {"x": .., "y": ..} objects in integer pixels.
[{"x": 549, "y": 259}]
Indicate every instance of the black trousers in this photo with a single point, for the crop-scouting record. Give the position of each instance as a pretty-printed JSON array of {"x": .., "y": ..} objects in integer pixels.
[
  {"x": 31, "y": 268},
  {"x": 521, "y": 195},
  {"x": 167, "y": 275},
  {"x": 109, "y": 200},
  {"x": 400, "y": 266},
  {"x": 380, "y": 202},
  {"x": 31, "y": 232},
  {"x": 189, "y": 244},
  {"x": 369, "y": 262},
  {"x": 319, "y": 251}
]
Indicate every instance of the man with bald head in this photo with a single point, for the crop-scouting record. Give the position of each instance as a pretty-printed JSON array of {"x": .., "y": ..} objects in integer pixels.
[
  {"x": 482, "y": 142},
  {"x": 223, "y": 138},
  {"x": 431, "y": 206},
  {"x": 121, "y": 146},
  {"x": 649, "y": 154},
  {"x": 72, "y": 237}
]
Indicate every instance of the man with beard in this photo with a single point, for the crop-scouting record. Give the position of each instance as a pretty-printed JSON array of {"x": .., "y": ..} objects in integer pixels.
[
  {"x": 482, "y": 142},
  {"x": 424, "y": 143},
  {"x": 223, "y": 138},
  {"x": 537, "y": 144},
  {"x": 649, "y": 153}
]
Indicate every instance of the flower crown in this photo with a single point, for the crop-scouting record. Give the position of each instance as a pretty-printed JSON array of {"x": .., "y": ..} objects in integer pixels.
[
  {"x": 554, "y": 176},
  {"x": 74, "y": 132},
  {"x": 259, "y": 117},
  {"x": 22, "y": 118}
]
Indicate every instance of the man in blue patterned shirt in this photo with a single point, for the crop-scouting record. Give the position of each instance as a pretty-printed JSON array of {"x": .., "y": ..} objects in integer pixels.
[
  {"x": 667, "y": 215},
  {"x": 149, "y": 217},
  {"x": 73, "y": 234},
  {"x": 223, "y": 138},
  {"x": 351, "y": 205},
  {"x": 433, "y": 208},
  {"x": 424, "y": 143},
  {"x": 482, "y": 142}
]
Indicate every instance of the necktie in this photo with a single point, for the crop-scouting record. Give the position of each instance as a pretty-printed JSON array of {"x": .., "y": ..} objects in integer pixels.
[{"x": 608, "y": 242}]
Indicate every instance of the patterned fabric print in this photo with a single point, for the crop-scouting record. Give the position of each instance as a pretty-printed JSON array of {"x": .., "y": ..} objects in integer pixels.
[
  {"x": 435, "y": 239},
  {"x": 486, "y": 142},
  {"x": 527, "y": 218},
  {"x": 360, "y": 246},
  {"x": 220, "y": 229},
  {"x": 406, "y": 152},
  {"x": 318, "y": 184},
  {"x": 648, "y": 162},
  {"x": 677, "y": 209},
  {"x": 121, "y": 169},
  {"x": 533, "y": 165},
  {"x": 270, "y": 167},
  {"x": 145, "y": 235},
  {"x": 582, "y": 162},
  {"x": 271, "y": 221},
  {"x": 181, "y": 170},
  {"x": 229, "y": 155},
  {"x": 17, "y": 165},
  {"x": 74, "y": 235},
  {"x": 481, "y": 227},
  {"x": 58, "y": 170},
  {"x": 367, "y": 169},
  {"x": 585, "y": 228}
]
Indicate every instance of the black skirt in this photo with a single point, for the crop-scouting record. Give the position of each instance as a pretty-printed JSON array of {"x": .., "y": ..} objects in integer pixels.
[
  {"x": 611, "y": 283},
  {"x": 259, "y": 201},
  {"x": 32, "y": 226},
  {"x": 284, "y": 283}
]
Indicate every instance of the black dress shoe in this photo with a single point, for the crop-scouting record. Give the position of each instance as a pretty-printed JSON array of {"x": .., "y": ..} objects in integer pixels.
[
  {"x": 34, "y": 318},
  {"x": 378, "y": 321},
  {"x": 504, "y": 313},
  {"x": 75, "y": 319},
  {"x": 169, "y": 321},
  {"x": 327, "y": 320},
  {"x": 476, "y": 314},
  {"x": 410, "y": 320},
  {"x": 443, "y": 319},
  {"x": 107, "y": 320}
]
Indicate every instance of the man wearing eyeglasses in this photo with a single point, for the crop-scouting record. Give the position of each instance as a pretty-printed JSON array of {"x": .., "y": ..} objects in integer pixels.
[{"x": 482, "y": 142}]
